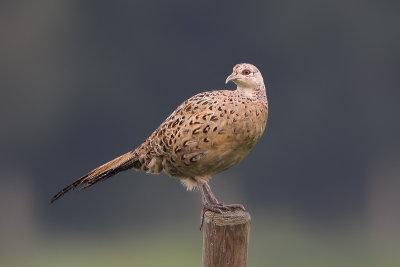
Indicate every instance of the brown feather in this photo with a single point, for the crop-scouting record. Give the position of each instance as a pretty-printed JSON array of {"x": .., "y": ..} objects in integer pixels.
[{"x": 122, "y": 163}]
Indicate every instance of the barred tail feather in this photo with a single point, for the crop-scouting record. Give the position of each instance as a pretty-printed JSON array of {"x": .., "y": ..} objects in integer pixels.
[{"x": 122, "y": 163}]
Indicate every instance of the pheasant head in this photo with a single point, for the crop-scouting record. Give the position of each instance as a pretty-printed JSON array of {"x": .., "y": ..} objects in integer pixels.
[{"x": 246, "y": 77}]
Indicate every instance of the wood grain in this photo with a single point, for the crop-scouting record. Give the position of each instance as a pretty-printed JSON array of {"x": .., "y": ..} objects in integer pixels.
[{"x": 226, "y": 238}]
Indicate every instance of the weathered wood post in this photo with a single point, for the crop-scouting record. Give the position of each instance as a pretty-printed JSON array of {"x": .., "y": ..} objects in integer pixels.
[{"x": 226, "y": 238}]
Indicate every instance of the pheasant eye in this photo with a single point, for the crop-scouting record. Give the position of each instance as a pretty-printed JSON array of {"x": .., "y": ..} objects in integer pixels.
[{"x": 246, "y": 72}]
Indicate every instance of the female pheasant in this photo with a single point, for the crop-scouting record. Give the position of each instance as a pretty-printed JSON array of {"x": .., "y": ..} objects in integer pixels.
[{"x": 207, "y": 134}]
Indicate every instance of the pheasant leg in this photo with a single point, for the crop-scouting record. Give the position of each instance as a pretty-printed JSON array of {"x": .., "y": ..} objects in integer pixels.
[
  {"x": 214, "y": 201},
  {"x": 205, "y": 203},
  {"x": 210, "y": 202}
]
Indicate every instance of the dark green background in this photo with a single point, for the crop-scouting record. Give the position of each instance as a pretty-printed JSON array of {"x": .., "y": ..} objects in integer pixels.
[{"x": 85, "y": 81}]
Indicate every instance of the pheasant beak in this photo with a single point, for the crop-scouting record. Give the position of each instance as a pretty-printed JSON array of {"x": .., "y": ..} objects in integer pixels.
[{"x": 231, "y": 78}]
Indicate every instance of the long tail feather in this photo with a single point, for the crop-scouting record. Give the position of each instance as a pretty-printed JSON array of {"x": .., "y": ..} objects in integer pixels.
[{"x": 122, "y": 163}]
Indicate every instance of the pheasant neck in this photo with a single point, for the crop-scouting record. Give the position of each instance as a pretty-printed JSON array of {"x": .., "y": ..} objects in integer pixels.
[
  {"x": 257, "y": 94},
  {"x": 262, "y": 94}
]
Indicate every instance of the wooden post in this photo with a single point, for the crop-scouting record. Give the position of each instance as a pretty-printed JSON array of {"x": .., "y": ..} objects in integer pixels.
[{"x": 226, "y": 238}]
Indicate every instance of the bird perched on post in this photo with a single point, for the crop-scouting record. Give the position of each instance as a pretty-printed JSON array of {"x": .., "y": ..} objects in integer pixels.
[{"x": 207, "y": 134}]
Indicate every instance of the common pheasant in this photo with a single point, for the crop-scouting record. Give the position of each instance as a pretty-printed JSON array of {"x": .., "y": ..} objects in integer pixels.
[{"x": 207, "y": 134}]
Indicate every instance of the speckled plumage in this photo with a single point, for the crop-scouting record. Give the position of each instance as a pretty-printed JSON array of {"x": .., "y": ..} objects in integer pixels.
[{"x": 207, "y": 134}]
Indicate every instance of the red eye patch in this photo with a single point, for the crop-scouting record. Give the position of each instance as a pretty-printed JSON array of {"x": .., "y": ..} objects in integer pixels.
[{"x": 246, "y": 72}]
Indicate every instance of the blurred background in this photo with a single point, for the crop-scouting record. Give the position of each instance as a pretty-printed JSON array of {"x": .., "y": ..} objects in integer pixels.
[{"x": 83, "y": 82}]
